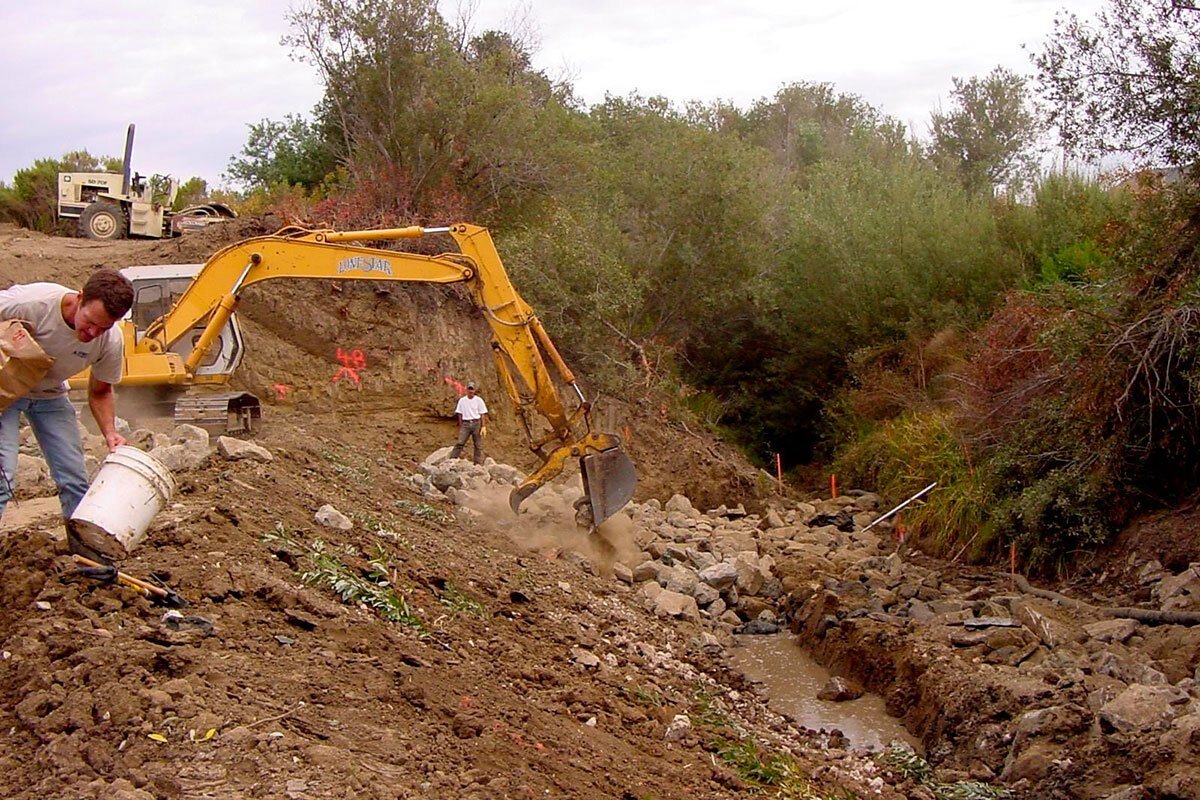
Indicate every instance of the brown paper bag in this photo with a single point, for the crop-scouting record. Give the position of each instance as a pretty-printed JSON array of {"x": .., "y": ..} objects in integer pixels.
[{"x": 23, "y": 363}]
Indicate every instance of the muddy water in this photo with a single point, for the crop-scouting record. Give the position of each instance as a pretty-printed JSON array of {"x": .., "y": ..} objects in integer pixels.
[{"x": 793, "y": 679}]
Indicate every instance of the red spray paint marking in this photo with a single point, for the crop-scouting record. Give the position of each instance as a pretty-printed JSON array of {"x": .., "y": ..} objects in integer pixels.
[
  {"x": 459, "y": 386},
  {"x": 353, "y": 362},
  {"x": 281, "y": 390}
]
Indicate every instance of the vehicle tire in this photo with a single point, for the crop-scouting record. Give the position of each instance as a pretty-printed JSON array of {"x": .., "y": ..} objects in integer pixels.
[{"x": 103, "y": 221}]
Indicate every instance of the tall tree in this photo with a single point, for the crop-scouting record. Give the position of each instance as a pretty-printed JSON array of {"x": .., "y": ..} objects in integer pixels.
[
  {"x": 439, "y": 111},
  {"x": 807, "y": 122},
  {"x": 988, "y": 134},
  {"x": 1129, "y": 82},
  {"x": 293, "y": 152}
]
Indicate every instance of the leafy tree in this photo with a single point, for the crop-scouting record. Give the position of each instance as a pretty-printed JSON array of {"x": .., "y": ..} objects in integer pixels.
[
  {"x": 293, "y": 152},
  {"x": 1129, "y": 82},
  {"x": 405, "y": 92},
  {"x": 873, "y": 251},
  {"x": 191, "y": 192},
  {"x": 988, "y": 134},
  {"x": 807, "y": 122}
]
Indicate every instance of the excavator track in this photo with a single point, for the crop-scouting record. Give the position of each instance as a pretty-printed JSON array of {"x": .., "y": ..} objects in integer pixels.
[{"x": 235, "y": 412}]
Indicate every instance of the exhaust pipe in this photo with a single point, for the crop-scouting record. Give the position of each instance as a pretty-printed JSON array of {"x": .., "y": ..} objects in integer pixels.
[{"x": 128, "y": 158}]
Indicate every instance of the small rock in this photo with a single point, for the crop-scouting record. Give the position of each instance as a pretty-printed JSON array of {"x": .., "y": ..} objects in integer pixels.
[
  {"x": 1112, "y": 630},
  {"x": 758, "y": 627},
  {"x": 720, "y": 576},
  {"x": 239, "y": 449},
  {"x": 680, "y": 727},
  {"x": 585, "y": 659},
  {"x": 839, "y": 690},
  {"x": 330, "y": 517},
  {"x": 680, "y": 504}
]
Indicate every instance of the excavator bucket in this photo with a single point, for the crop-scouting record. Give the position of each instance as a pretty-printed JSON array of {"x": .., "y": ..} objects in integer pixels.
[{"x": 609, "y": 479}]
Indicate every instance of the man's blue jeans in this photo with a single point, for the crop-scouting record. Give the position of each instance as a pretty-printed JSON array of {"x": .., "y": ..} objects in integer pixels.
[{"x": 57, "y": 431}]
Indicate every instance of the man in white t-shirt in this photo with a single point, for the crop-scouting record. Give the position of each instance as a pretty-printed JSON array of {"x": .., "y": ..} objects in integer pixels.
[
  {"x": 76, "y": 329},
  {"x": 472, "y": 422}
]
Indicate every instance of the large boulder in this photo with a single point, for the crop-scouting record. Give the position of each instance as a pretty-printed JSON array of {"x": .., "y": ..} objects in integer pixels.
[
  {"x": 719, "y": 576},
  {"x": 674, "y": 604},
  {"x": 1141, "y": 707}
]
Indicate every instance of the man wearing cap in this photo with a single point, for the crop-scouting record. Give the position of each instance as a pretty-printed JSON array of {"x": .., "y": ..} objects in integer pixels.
[{"x": 472, "y": 421}]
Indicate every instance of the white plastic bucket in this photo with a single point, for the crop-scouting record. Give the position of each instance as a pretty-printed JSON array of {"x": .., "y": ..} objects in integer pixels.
[{"x": 130, "y": 488}]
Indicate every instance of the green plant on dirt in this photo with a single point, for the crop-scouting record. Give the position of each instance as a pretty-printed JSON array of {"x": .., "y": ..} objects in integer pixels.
[
  {"x": 326, "y": 569},
  {"x": 768, "y": 772},
  {"x": 422, "y": 511},
  {"x": 383, "y": 527},
  {"x": 645, "y": 696},
  {"x": 459, "y": 602},
  {"x": 346, "y": 468},
  {"x": 911, "y": 766},
  {"x": 709, "y": 711},
  {"x": 773, "y": 774}
]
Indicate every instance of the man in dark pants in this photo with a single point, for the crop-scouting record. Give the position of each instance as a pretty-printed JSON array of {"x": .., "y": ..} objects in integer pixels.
[{"x": 472, "y": 423}]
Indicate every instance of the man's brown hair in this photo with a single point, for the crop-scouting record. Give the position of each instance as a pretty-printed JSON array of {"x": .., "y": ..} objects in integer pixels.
[{"x": 112, "y": 289}]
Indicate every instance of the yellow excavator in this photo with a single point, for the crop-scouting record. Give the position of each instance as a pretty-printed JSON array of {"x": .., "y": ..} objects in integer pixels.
[{"x": 185, "y": 337}]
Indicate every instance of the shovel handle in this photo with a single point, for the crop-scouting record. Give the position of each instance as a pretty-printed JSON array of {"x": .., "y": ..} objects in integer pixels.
[{"x": 137, "y": 583}]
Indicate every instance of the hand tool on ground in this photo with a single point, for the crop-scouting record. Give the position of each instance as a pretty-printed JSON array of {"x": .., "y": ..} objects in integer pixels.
[{"x": 160, "y": 595}]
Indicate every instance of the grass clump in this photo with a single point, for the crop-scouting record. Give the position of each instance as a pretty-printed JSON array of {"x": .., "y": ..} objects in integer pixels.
[
  {"x": 457, "y": 601},
  {"x": 911, "y": 766},
  {"x": 422, "y": 511},
  {"x": 775, "y": 774}
]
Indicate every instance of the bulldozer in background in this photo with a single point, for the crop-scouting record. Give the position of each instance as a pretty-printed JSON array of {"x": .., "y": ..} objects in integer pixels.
[{"x": 113, "y": 205}]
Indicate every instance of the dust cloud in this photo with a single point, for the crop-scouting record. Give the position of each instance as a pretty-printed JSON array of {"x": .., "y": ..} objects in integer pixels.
[{"x": 546, "y": 523}]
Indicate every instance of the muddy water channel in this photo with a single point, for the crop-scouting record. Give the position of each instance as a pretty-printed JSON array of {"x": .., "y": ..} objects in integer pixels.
[{"x": 793, "y": 680}]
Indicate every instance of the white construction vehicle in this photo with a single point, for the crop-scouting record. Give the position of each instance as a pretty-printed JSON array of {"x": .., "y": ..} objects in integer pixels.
[{"x": 113, "y": 205}]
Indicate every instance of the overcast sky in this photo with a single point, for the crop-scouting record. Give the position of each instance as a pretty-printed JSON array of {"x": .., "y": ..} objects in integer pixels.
[{"x": 193, "y": 75}]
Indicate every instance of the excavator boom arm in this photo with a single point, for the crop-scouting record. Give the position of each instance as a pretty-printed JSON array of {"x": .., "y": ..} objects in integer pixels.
[{"x": 524, "y": 350}]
